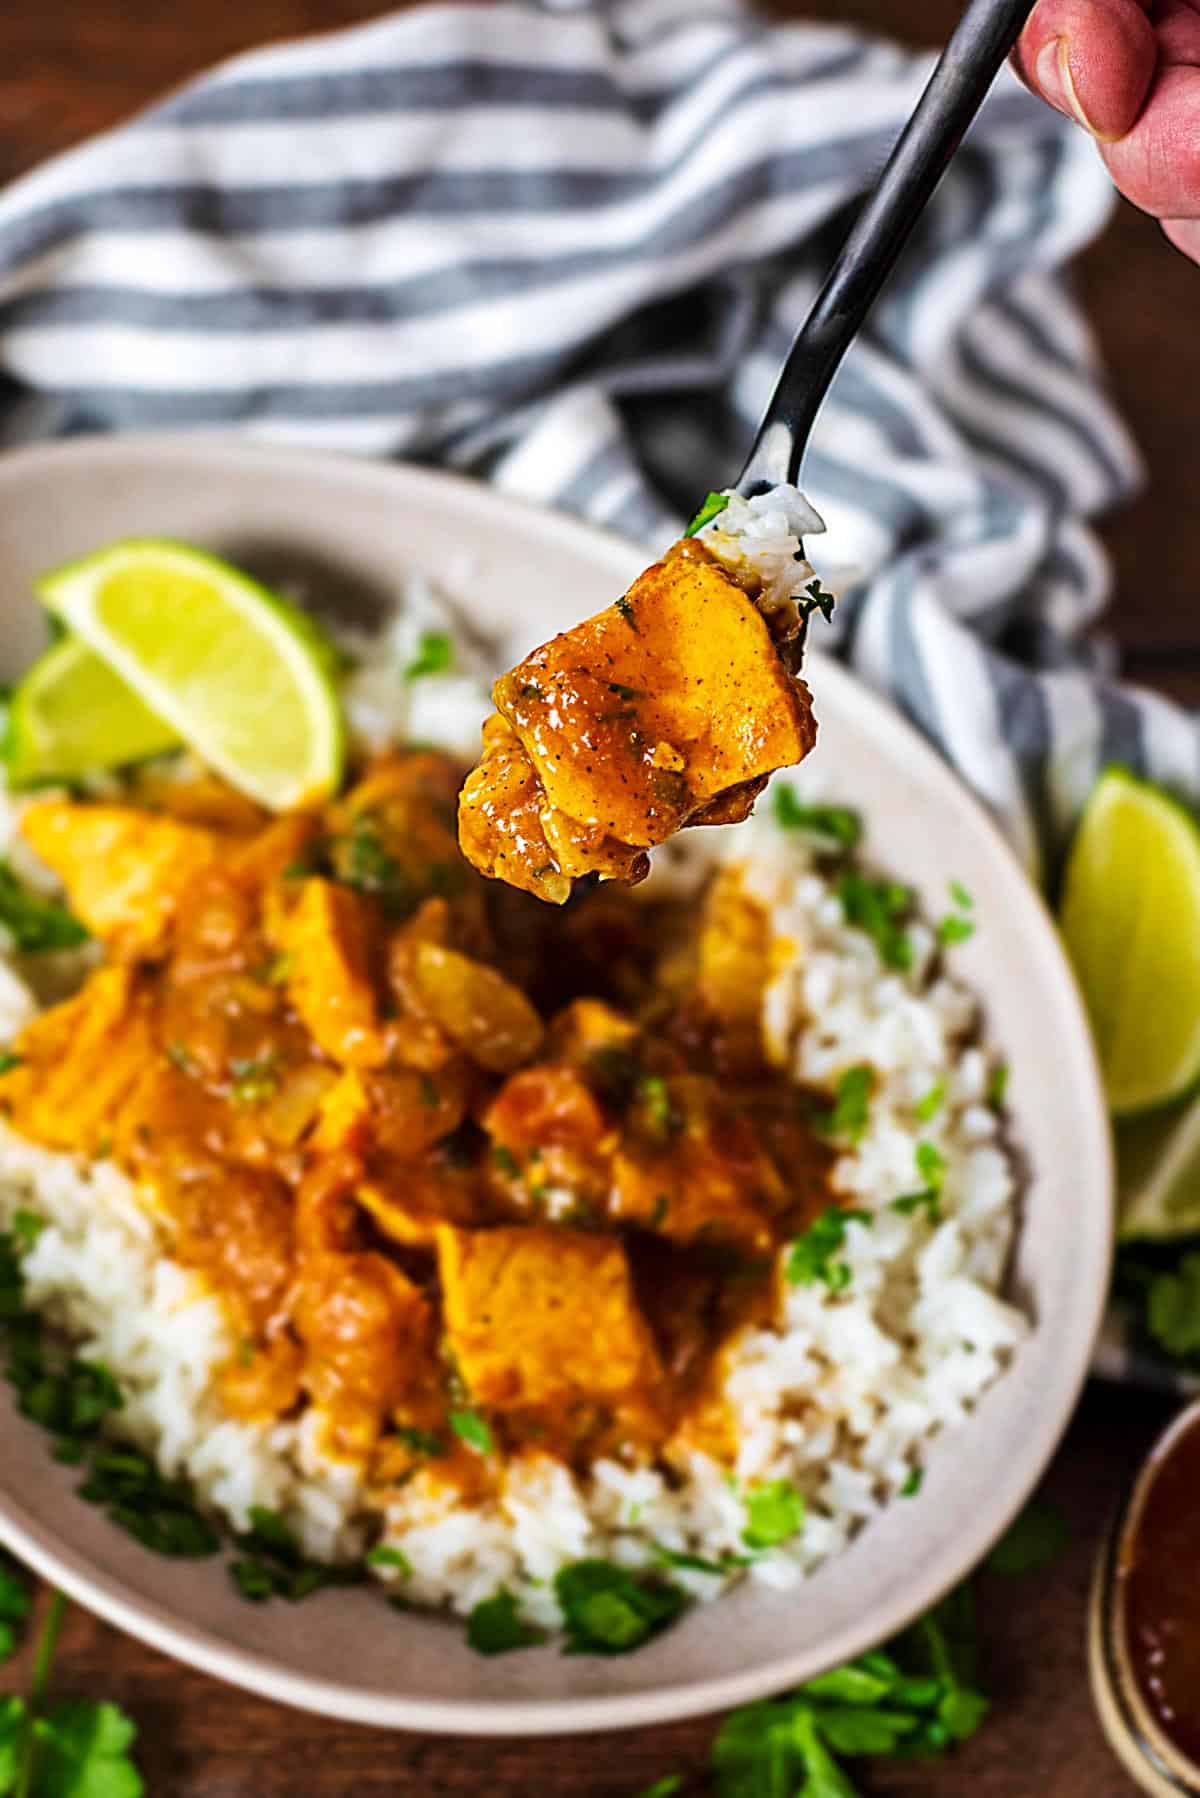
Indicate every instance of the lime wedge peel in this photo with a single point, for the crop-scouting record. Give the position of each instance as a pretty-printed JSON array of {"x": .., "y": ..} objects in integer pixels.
[
  {"x": 71, "y": 715},
  {"x": 1130, "y": 916},
  {"x": 241, "y": 676}
]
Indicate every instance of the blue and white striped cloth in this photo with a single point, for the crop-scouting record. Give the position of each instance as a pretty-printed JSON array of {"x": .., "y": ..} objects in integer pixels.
[{"x": 566, "y": 251}]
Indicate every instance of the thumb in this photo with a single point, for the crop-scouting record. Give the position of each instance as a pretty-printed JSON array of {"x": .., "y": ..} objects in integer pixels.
[{"x": 1092, "y": 59}]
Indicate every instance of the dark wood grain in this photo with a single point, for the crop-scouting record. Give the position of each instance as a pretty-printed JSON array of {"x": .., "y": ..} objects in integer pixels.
[{"x": 69, "y": 67}]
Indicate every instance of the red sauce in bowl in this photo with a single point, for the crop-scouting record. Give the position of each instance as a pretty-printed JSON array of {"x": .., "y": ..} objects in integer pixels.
[{"x": 1161, "y": 1573}]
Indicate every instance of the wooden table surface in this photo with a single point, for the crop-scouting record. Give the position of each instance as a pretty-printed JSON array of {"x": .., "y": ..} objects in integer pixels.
[{"x": 69, "y": 67}]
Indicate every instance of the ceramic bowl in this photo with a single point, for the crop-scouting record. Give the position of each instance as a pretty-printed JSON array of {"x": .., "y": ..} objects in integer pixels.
[
  {"x": 1149, "y": 1756},
  {"x": 353, "y": 528}
]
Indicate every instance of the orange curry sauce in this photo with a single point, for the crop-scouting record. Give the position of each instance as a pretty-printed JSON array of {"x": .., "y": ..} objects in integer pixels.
[{"x": 433, "y": 1144}]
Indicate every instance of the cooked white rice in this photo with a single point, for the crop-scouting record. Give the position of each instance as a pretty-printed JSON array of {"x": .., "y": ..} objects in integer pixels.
[
  {"x": 765, "y": 536},
  {"x": 841, "y": 1399}
]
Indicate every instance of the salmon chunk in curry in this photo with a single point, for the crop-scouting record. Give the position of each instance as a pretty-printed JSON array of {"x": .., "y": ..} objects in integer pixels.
[
  {"x": 670, "y": 708},
  {"x": 441, "y": 1152}
]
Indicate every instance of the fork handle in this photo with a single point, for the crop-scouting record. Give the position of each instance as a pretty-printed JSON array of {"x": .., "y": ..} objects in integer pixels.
[{"x": 984, "y": 36}]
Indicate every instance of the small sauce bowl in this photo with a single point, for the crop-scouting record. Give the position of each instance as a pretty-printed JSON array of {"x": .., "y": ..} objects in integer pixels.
[{"x": 1144, "y": 1619}]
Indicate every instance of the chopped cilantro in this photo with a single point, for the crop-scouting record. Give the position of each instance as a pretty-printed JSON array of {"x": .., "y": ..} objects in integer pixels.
[
  {"x": 608, "y": 1610},
  {"x": 9, "y": 1061},
  {"x": 912, "y": 1484},
  {"x": 435, "y": 653},
  {"x": 931, "y": 1102},
  {"x": 954, "y": 928},
  {"x": 472, "y": 1429},
  {"x": 712, "y": 508},
  {"x": 997, "y": 1086},
  {"x": 254, "y": 1080},
  {"x": 496, "y": 1626},
  {"x": 159, "y": 1513},
  {"x": 960, "y": 896},
  {"x": 666, "y": 1787},
  {"x": 422, "y": 1442},
  {"x": 811, "y": 1255},
  {"x": 850, "y": 1111},
  {"x": 820, "y": 599},
  {"x": 833, "y": 826},
  {"x": 27, "y": 1226},
  {"x": 35, "y": 924},
  {"x": 879, "y": 908},
  {"x": 655, "y": 1096},
  {"x": 384, "y": 1556},
  {"x": 1033, "y": 1541},
  {"x": 625, "y": 607},
  {"x": 774, "y": 1514},
  {"x": 275, "y": 1567},
  {"x": 931, "y": 1165},
  {"x": 686, "y": 1563},
  {"x": 505, "y": 1160}
]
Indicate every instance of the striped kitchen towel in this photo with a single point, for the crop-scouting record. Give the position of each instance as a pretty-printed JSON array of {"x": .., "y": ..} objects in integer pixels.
[{"x": 565, "y": 249}]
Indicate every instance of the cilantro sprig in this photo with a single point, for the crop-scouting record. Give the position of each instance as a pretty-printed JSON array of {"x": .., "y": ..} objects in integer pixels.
[
  {"x": 434, "y": 655},
  {"x": 79, "y": 1746},
  {"x": 496, "y": 1626},
  {"x": 931, "y": 1166},
  {"x": 608, "y": 1610},
  {"x": 712, "y": 508},
  {"x": 850, "y": 1112}
]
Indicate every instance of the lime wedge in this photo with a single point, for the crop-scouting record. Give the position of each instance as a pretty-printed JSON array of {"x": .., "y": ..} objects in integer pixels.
[
  {"x": 1130, "y": 915},
  {"x": 71, "y": 714},
  {"x": 245, "y": 679},
  {"x": 1158, "y": 1161}
]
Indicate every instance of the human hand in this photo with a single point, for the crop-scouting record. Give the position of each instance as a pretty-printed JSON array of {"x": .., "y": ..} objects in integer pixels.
[{"x": 1129, "y": 72}]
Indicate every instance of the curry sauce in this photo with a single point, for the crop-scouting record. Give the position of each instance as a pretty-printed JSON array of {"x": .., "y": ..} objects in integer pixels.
[{"x": 465, "y": 1173}]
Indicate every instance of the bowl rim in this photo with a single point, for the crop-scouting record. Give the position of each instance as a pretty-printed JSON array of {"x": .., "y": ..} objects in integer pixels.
[{"x": 141, "y": 1617}]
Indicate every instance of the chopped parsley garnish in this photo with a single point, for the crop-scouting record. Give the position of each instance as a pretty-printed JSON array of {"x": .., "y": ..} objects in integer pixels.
[
  {"x": 997, "y": 1086},
  {"x": 625, "y": 607},
  {"x": 9, "y": 1061},
  {"x": 1036, "y": 1538},
  {"x": 931, "y": 1102},
  {"x": 960, "y": 896},
  {"x": 608, "y": 1610},
  {"x": 656, "y": 1101},
  {"x": 435, "y": 653},
  {"x": 774, "y": 1514},
  {"x": 880, "y": 908},
  {"x": 496, "y": 1626},
  {"x": 931, "y": 1165},
  {"x": 472, "y": 1429},
  {"x": 832, "y": 826},
  {"x": 35, "y": 924},
  {"x": 820, "y": 599},
  {"x": 810, "y": 1257},
  {"x": 851, "y": 1105},
  {"x": 712, "y": 508},
  {"x": 913, "y": 1482},
  {"x": 384, "y": 1556}
]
